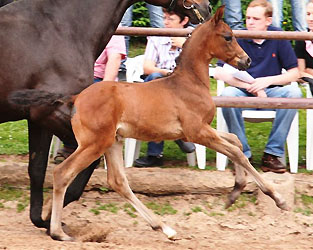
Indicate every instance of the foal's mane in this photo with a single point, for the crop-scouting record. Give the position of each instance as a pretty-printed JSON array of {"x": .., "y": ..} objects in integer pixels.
[{"x": 193, "y": 35}]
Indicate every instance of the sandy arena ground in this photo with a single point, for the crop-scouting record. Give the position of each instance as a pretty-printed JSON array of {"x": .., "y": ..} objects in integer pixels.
[{"x": 200, "y": 220}]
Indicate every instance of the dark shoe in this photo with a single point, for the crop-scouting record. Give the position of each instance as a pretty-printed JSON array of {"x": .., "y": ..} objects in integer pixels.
[
  {"x": 272, "y": 163},
  {"x": 122, "y": 75},
  {"x": 149, "y": 161},
  {"x": 186, "y": 147},
  {"x": 62, "y": 154}
]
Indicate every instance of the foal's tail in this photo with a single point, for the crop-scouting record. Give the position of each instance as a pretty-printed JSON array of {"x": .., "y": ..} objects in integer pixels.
[{"x": 34, "y": 97}]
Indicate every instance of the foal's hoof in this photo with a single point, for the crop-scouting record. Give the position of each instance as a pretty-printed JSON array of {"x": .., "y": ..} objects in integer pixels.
[
  {"x": 170, "y": 233},
  {"x": 283, "y": 206},
  {"x": 62, "y": 237}
]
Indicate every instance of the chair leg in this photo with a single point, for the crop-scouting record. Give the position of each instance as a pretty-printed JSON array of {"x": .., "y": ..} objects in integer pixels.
[
  {"x": 293, "y": 144},
  {"x": 54, "y": 147},
  {"x": 221, "y": 160},
  {"x": 129, "y": 152},
  {"x": 309, "y": 139},
  {"x": 191, "y": 159},
  {"x": 137, "y": 150},
  {"x": 201, "y": 156}
]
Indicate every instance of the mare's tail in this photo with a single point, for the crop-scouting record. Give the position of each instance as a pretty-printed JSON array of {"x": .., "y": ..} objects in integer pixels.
[{"x": 34, "y": 97}]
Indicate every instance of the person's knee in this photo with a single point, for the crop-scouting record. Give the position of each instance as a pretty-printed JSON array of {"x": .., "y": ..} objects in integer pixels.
[
  {"x": 153, "y": 76},
  {"x": 230, "y": 91},
  {"x": 293, "y": 92}
]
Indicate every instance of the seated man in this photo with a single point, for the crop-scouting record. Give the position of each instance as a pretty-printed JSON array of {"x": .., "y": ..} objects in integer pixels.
[
  {"x": 269, "y": 57},
  {"x": 105, "y": 69},
  {"x": 160, "y": 56},
  {"x": 304, "y": 50}
]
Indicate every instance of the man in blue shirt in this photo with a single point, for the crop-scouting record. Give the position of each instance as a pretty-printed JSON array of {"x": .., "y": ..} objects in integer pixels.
[{"x": 269, "y": 57}]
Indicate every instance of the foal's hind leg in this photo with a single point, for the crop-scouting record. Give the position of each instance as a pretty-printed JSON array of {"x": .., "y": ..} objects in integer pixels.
[
  {"x": 240, "y": 179},
  {"x": 63, "y": 175},
  {"x": 209, "y": 137},
  {"x": 118, "y": 181}
]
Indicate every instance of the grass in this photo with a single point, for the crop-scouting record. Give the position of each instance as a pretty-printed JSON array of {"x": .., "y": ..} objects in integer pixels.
[
  {"x": 14, "y": 138},
  {"x": 9, "y": 193}
]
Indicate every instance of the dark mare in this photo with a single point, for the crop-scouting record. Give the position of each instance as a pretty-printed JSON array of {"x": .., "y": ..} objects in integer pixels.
[
  {"x": 5, "y": 2},
  {"x": 51, "y": 45}
]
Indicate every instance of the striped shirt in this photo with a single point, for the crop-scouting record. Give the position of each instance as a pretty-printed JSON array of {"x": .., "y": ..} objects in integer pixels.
[{"x": 158, "y": 50}]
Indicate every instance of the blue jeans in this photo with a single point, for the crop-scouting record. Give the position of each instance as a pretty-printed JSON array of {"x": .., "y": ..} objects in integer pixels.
[
  {"x": 298, "y": 8},
  {"x": 233, "y": 14},
  {"x": 156, "y": 19},
  {"x": 154, "y": 148},
  {"x": 281, "y": 125}
]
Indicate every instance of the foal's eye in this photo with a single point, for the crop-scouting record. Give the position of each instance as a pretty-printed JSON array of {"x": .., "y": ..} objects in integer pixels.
[{"x": 228, "y": 38}]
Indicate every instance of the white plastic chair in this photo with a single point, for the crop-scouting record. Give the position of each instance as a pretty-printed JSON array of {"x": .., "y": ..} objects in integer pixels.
[
  {"x": 134, "y": 69},
  {"x": 309, "y": 132},
  {"x": 54, "y": 146},
  {"x": 260, "y": 116}
]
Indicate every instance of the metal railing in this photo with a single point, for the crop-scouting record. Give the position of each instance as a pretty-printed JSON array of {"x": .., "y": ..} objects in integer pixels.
[{"x": 242, "y": 102}]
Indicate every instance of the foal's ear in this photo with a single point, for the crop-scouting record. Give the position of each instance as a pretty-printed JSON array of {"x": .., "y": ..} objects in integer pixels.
[{"x": 218, "y": 14}]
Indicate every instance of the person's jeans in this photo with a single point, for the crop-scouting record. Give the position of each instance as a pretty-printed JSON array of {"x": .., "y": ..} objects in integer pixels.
[
  {"x": 154, "y": 148},
  {"x": 298, "y": 8},
  {"x": 156, "y": 19},
  {"x": 233, "y": 14},
  {"x": 281, "y": 125}
]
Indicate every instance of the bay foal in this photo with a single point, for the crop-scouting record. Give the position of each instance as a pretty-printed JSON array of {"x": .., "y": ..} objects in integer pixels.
[{"x": 176, "y": 107}]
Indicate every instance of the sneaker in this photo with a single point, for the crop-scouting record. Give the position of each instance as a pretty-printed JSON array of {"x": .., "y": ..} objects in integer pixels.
[
  {"x": 272, "y": 163},
  {"x": 149, "y": 161},
  {"x": 122, "y": 75},
  {"x": 62, "y": 154},
  {"x": 186, "y": 147}
]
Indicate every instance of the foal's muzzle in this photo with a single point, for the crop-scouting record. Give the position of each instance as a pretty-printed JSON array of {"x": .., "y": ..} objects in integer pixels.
[{"x": 244, "y": 63}]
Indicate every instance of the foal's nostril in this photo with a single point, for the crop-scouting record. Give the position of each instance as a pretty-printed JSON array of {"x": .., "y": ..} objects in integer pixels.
[
  {"x": 248, "y": 61},
  {"x": 244, "y": 63}
]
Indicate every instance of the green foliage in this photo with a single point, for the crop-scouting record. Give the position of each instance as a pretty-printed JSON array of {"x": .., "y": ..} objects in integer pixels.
[
  {"x": 140, "y": 15},
  {"x": 9, "y": 193},
  {"x": 161, "y": 209},
  {"x": 110, "y": 207},
  {"x": 196, "y": 209},
  {"x": 130, "y": 210},
  {"x": 14, "y": 137},
  {"x": 242, "y": 201}
]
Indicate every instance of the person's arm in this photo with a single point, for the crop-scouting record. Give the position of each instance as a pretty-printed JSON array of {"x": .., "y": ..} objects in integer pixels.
[
  {"x": 178, "y": 41},
  {"x": 149, "y": 67},
  {"x": 222, "y": 74},
  {"x": 112, "y": 67},
  {"x": 263, "y": 82},
  {"x": 304, "y": 72},
  {"x": 151, "y": 58}
]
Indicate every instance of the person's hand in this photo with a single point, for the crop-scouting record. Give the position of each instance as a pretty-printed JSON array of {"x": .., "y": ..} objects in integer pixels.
[
  {"x": 165, "y": 72},
  {"x": 259, "y": 84},
  {"x": 261, "y": 93},
  {"x": 178, "y": 41}
]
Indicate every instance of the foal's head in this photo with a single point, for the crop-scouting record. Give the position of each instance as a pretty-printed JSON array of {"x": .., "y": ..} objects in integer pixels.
[{"x": 222, "y": 44}]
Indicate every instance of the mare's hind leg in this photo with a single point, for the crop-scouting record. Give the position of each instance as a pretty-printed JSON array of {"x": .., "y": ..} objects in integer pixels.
[
  {"x": 63, "y": 174},
  {"x": 240, "y": 179},
  {"x": 118, "y": 181},
  {"x": 209, "y": 137}
]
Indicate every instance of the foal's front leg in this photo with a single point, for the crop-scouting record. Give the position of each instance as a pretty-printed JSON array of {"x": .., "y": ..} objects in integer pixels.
[
  {"x": 240, "y": 175},
  {"x": 118, "y": 181},
  {"x": 210, "y": 138}
]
